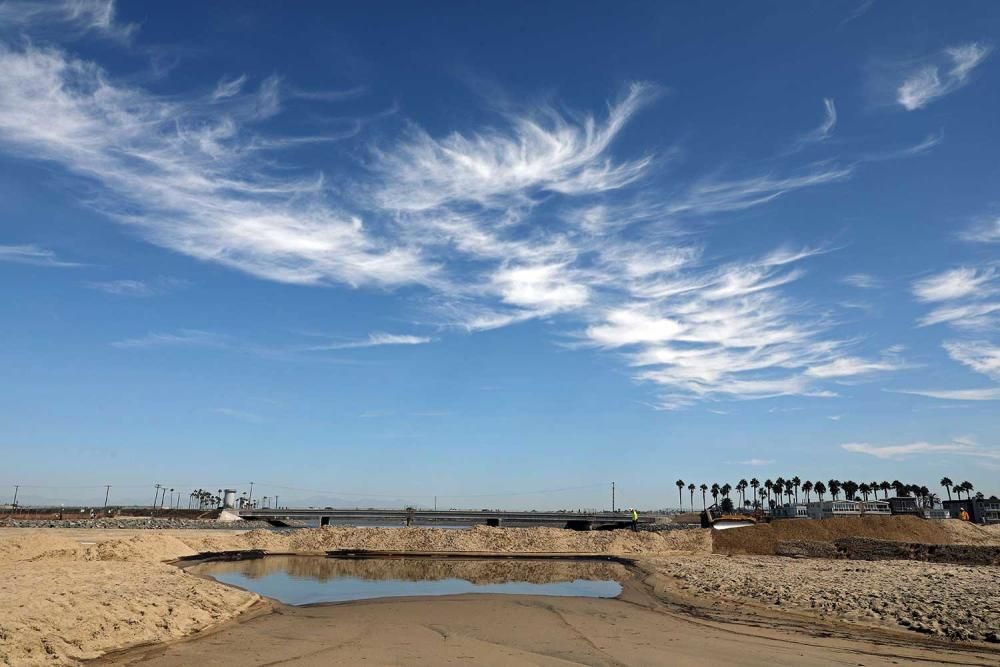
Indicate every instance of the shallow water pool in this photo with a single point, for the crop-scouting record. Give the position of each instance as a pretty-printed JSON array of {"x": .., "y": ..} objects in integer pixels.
[{"x": 299, "y": 580}]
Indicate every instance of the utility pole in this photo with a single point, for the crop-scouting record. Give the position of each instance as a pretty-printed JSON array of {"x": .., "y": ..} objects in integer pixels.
[
  {"x": 435, "y": 503},
  {"x": 14, "y": 504},
  {"x": 612, "y": 496},
  {"x": 156, "y": 497},
  {"x": 107, "y": 493},
  {"x": 250, "y": 499}
]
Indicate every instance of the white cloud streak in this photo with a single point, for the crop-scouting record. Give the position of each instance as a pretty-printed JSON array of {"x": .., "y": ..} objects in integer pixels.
[
  {"x": 862, "y": 281},
  {"x": 945, "y": 74},
  {"x": 136, "y": 288},
  {"x": 985, "y": 231},
  {"x": 986, "y": 394},
  {"x": 897, "y": 452},
  {"x": 979, "y": 355},
  {"x": 376, "y": 339},
  {"x": 182, "y": 338},
  {"x": 35, "y": 256},
  {"x": 954, "y": 284},
  {"x": 182, "y": 174},
  {"x": 75, "y": 16}
]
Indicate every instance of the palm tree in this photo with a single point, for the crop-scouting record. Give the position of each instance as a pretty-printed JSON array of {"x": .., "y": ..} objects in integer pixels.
[
  {"x": 741, "y": 486},
  {"x": 834, "y": 488},
  {"x": 680, "y": 487},
  {"x": 968, "y": 488},
  {"x": 850, "y": 488},
  {"x": 725, "y": 490},
  {"x": 796, "y": 482},
  {"x": 691, "y": 488},
  {"x": 763, "y": 495},
  {"x": 715, "y": 493},
  {"x": 820, "y": 490},
  {"x": 807, "y": 488},
  {"x": 788, "y": 489},
  {"x": 778, "y": 487},
  {"x": 704, "y": 488},
  {"x": 754, "y": 484},
  {"x": 885, "y": 486},
  {"x": 865, "y": 490},
  {"x": 768, "y": 484},
  {"x": 946, "y": 483}
]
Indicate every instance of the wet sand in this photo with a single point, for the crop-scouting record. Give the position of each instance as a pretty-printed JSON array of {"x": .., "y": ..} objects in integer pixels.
[{"x": 503, "y": 630}]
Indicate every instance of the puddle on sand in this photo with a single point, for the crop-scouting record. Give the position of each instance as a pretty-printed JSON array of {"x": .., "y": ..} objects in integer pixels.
[{"x": 300, "y": 580}]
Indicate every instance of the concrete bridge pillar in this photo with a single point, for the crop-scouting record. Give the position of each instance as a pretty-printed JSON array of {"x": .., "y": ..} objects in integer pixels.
[{"x": 324, "y": 521}]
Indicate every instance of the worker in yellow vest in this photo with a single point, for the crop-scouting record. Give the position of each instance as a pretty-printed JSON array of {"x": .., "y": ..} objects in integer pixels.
[
  {"x": 635, "y": 520},
  {"x": 963, "y": 515}
]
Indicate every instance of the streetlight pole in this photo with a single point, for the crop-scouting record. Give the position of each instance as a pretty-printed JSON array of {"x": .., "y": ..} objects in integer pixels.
[
  {"x": 156, "y": 497},
  {"x": 612, "y": 496},
  {"x": 13, "y": 505},
  {"x": 250, "y": 499},
  {"x": 107, "y": 493}
]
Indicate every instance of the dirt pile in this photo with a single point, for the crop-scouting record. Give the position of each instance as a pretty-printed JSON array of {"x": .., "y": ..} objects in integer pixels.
[
  {"x": 34, "y": 544},
  {"x": 764, "y": 539},
  {"x": 59, "y": 612},
  {"x": 953, "y": 601},
  {"x": 480, "y": 538}
]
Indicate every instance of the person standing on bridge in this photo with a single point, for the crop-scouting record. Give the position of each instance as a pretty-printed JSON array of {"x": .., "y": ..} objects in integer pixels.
[{"x": 635, "y": 521}]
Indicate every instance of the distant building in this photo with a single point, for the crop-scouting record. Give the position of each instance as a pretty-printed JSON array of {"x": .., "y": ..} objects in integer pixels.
[
  {"x": 829, "y": 509},
  {"x": 905, "y": 505},
  {"x": 790, "y": 511},
  {"x": 980, "y": 511},
  {"x": 876, "y": 507}
]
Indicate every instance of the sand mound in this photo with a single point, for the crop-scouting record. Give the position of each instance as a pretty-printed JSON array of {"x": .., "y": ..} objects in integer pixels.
[
  {"x": 764, "y": 538},
  {"x": 34, "y": 545},
  {"x": 480, "y": 538},
  {"x": 963, "y": 532},
  {"x": 61, "y": 612},
  {"x": 140, "y": 548}
]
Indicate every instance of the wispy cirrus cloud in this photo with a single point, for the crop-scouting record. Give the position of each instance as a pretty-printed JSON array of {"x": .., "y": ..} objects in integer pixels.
[
  {"x": 180, "y": 173},
  {"x": 862, "y": 281},
  {"x": 71, "y": 17},
  {"x": 752, "y": 462},
  {"x": 538, "y": 151},
  {"x": 376, "y": 339},
  {"x": 979, "y": 355},
  {"x": 137, "y": 288},
  {"x": 535, "y": 215},
  {"x": 984, "y": 394},
  {"x": 984, "y": 231},
  {"x": 241, "y": 415},
  {"x": 955, "y": 284},
  {"x": 35, "y": 256},
  {"x": 897, "y": 452},
  {"x": 854, "y": 366},
  {"x": 182, "y": 338},
  {"x": 941, "y": 75},
  {"x": 825, "y": 129}
]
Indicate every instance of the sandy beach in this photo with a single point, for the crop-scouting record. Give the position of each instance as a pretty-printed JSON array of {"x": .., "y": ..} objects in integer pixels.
[{"x": 72, "y": 596}]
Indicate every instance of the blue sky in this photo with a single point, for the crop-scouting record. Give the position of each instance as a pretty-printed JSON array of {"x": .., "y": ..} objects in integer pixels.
[{"x": 502, "y": 255}]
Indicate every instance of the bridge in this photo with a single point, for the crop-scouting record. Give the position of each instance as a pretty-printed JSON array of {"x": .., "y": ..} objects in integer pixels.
[{"x": 574, "y": 520}]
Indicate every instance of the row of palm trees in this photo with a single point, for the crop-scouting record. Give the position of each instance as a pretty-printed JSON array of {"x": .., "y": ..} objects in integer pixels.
[{"x": 773, "y": 491}]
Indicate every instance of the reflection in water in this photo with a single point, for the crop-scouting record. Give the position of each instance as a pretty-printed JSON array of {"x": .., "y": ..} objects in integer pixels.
[{"x": 310, "y": 579}]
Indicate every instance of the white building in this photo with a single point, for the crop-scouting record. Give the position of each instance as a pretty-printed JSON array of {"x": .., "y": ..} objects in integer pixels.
[
  {"x": 832, "y": 508},
  {"x": 876, "y": 507},
  {"x": 790, "y": 511}
]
